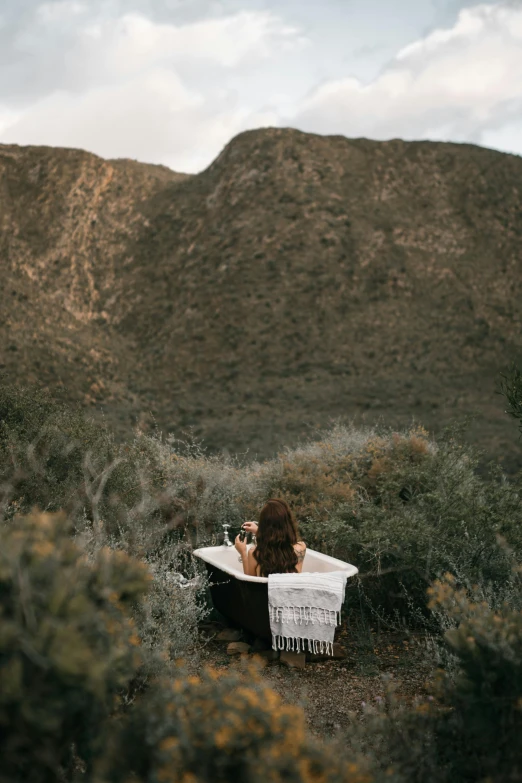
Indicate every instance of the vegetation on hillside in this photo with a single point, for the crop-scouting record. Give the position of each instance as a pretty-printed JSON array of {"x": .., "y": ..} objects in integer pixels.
[
  {"x": 99, "y": 598},
  {"x": 300, "y": 277}
]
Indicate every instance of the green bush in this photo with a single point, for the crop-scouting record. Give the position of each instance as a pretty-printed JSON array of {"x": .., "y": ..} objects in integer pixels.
[
  {"x": 401, "y": 506},
  {"x": 70, "y": 663},
  {"x": 469, "y": 729},
  {"x": 86, "y": 634},
  {"x": 221, "y": 726},
  {"x": 420, "y": 510},
  {"x": 478, "y": 733},
  {"x": 148, "y": 492},
  {"x": 51, "y": 455},
  {"x": 68, "y": 645}
]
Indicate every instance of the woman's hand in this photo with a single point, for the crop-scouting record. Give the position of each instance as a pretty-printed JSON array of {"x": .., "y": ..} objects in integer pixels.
[
  {"x": 250, "y": 527},
  {"x": 241, "y": 546}
]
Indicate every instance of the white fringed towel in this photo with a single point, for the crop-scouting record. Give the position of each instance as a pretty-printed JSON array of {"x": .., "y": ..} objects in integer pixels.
[{"x": 305, "y": 610}]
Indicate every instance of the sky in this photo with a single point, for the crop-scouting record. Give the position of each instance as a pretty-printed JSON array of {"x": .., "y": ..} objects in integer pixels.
[{"x": 173, "y": 81}]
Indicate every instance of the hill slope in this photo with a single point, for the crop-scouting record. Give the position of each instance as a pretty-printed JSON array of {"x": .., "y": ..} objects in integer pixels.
[{"x": 298, "y": 278}]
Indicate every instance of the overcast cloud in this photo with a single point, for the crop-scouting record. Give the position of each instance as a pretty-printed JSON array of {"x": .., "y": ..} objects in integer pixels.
[{"x": 171, "y": 82}]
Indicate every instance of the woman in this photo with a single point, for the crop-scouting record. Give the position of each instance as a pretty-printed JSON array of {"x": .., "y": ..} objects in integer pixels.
[{"x": 277, "y": 550}]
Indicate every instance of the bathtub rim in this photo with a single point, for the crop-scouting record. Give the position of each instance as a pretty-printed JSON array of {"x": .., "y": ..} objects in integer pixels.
[{"x": 200, "y": 553}]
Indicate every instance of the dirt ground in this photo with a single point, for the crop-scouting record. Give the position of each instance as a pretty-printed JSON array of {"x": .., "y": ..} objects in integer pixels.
[{"x": 330, "y": 691}]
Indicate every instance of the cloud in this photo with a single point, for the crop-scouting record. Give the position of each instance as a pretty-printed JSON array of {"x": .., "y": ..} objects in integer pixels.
[
  {"x": 7, "y": 119},
  {"x": 127, "y": 86},
  {"x": 109, "y": 77},
  {"x": 225, "y": 42},
  {"x": 153, "y": 118},
  {"x": 462, "y": 83},
  {"x": 59, "y": 10}
]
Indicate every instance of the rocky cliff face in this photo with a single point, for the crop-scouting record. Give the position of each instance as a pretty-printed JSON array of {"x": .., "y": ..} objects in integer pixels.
[{"x": 297, "y": 279}]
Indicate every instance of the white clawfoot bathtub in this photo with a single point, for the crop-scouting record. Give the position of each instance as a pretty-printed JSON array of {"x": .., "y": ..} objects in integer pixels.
[{"x": 244, "y": 599}]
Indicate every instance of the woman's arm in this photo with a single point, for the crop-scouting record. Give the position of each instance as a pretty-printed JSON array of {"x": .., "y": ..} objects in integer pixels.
[{"x": 247, "y": 558}]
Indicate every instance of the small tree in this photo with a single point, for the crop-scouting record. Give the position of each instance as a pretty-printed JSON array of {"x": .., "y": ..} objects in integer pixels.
[{"x": 511, "y": 388}]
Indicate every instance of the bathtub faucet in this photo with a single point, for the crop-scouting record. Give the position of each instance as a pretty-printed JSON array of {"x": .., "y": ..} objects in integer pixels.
[{"x": 226, "y": 540}]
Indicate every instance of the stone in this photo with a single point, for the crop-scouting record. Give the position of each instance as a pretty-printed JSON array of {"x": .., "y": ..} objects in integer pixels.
[
  {"x": 238, "y": 648},
  {"x": 292, "y": 659},
  {"x": 229, "y": 635}
]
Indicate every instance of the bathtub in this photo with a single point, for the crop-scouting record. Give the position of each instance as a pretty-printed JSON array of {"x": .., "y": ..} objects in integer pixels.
[{"x": 242, "y": 599}]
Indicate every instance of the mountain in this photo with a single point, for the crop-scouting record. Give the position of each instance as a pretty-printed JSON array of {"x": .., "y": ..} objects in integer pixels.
[{"x": 297, "y": 279}]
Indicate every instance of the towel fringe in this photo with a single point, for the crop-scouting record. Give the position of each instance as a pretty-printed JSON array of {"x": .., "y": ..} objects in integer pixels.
[{"x": 299, "y": 643}]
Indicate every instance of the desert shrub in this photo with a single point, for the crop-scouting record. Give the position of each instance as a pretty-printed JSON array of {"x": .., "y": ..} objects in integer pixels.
[
  {"x": 397, "y": 740},
  {"x": 221, "y": 726},
  {"x": 85, "y": 632},
  {"x": 68, "y": 645},
  {"x": 421, "y": 510},
  {"x": 469, "y": 729},
  {"x": 50, "y": 453},
  {"x": 73, "y": 705},
  {"x": 149, "y": 490},
  {"x": 401, "y": 506},
  {"x": 483, "y": 700},
  {"x": 52, "y": 457},
  {"x": 167, "y": 617},
  {"x": 205, "y": 490}
]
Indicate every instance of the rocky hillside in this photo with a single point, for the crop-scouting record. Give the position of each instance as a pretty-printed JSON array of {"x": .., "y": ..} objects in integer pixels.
[{"x": 297, "y": 279}]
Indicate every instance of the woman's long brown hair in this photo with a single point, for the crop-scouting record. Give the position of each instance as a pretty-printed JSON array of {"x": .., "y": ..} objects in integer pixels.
[{"x": 276, "y": 536}]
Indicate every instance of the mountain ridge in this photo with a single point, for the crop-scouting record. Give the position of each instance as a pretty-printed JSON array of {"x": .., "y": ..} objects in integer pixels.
[{"x": 297, "y": 278}]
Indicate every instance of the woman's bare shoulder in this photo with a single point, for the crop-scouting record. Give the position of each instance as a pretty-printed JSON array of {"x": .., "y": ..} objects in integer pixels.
[
  {"x": 253, "y": 566},
  {"x": 300, "y": 550}
]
